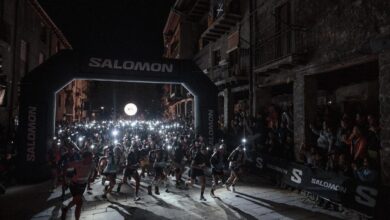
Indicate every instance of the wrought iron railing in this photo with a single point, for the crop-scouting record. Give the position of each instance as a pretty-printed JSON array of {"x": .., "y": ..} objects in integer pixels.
[{"x": 284, "y": 43}]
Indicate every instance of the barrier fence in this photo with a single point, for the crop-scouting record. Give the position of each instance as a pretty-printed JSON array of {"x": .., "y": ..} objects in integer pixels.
[{"x": 337, "y": 188}]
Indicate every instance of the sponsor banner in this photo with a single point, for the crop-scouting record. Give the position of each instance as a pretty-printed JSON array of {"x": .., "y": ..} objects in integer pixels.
[
  {"x": 332, "y": 186},
  {"x": 115, "y": 64}
]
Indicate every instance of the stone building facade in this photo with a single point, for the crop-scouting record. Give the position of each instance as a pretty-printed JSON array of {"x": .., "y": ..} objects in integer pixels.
[
  {"x": 303, "y": 56},
  {"x": 215, "y": 34},
  {"x": 28, "y": 37},
  {"x": 324, "y": 55}
]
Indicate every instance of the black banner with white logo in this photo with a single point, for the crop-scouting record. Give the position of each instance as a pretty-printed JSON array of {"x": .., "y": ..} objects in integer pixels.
[{"x": 347, "y": 191}]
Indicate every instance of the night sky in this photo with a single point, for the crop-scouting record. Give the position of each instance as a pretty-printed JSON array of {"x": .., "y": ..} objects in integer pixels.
[
  {"x": 117, "y": 26},
  {"x": 122, "y": 27}
]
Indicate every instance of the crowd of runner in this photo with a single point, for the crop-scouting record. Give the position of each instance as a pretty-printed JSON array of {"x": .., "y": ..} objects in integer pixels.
[{"x": 160, "y": 154}]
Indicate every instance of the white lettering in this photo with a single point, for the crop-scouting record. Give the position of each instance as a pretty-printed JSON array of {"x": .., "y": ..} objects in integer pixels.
[
  {"x": 366, "y": 196},
  {"x": 211, "y": 127},
  {"x": 142, "y": 66},
  {"x": 328, "y": 185},
  {"x": 167, "y": 68},
  {"x": 296, "y": 176},
  {"x": 259, "y": 163},
  {"x": 155, "y": 67},
  {"x": 31, "y": 133},
  {"x": 106, "y": 63},
  {"x": 94, "y": 62},
  {"x": 129, "y": 65},
  {"x": 116, "y": 66}
]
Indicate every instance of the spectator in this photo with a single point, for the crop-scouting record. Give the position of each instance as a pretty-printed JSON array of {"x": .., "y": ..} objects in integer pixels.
[
  {"x": 325, "y": 138},
  {"x": 373, "y": 138},
  {"x": 358, "y": 144},
  {"x": 343, "y": 133},
  {"x": 365, "y": 174}
]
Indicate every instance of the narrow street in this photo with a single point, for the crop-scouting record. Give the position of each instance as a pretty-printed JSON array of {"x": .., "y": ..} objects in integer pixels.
[{"x": 251, "y": 201}]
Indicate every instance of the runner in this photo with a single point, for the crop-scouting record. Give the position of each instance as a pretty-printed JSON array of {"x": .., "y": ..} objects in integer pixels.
[
  {"x": 131, "y": 171},
  {"x": 236, "y": 160},
  {"x": 81, "y": 172},
  {"x": 110, "y": 171},
  {"x": 70, "y": 156},
  {"x": 178, "y": 162},
  {"x": 217, "y": 166},
  {"x": 160, "y": 158},
  {"x": 197, "y": 169}
]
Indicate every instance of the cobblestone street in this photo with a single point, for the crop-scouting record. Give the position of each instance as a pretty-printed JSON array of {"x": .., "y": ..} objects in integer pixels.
[{"x": 248, "y": 202}]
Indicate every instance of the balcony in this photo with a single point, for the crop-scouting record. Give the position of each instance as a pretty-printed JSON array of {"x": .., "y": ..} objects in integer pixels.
[
  {"x": 198, "y": 10},
  {"x": 202, "y": 58},
  {"x": 225, "y": 17},
  {"x": 221, "y": 26},
  {"x": 282, "y": 50},
  {"x": 224, "y": 75}
]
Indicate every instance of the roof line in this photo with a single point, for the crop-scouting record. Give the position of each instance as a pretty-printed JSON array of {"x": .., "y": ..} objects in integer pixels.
[{"x": 42, "y": 13}]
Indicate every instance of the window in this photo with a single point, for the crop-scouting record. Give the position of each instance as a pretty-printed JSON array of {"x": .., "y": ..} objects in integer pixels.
[
  {"x": 233, "y": 63},
  {"x": 283, "y": 30},
  {"x": 216, "y": 57},
  {"x": 43, "y": 35},
  {"x": 24, "y": 50},
  {"x": 41, "y": 58}
]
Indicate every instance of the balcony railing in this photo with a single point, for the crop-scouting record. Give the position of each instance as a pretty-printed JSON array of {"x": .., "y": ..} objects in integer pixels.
[
  {"x": 289, "y": 43},
  {"x": 202, "y": 58},
  {"x": 199, "y": 9},
  {"x": 227, "y": 74}
]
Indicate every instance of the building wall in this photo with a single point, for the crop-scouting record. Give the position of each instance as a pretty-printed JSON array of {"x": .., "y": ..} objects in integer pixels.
[
  {"x": 30, "y": 38},
  {"x": 326, "y": 37}
]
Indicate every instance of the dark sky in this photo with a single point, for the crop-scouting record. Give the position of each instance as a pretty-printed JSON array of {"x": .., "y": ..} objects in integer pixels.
[
  {"x": 123, "y": 27},
  {"x": 116, "y": 26}
]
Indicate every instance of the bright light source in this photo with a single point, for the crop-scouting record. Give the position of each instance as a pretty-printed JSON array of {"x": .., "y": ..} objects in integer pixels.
[
  {"x": 115, "y": 133},
  {"x": 102, "y": 107},
  {"x": 81, "y": 138},
  {"x": 131, "y": 109},
  {"x": 243, "y": 140},
  {"x": 92, "y": 146},
  {"x": 115, "y": 141},
  {"x": 169, "y": 147},
  {"x": 54, "y": 138}
]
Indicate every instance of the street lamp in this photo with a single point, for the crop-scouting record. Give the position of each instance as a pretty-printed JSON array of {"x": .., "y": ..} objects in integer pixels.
[{"x": 130, "y": 109}]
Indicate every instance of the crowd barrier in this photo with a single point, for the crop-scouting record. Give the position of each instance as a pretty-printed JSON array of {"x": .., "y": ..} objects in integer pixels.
[{"x": 347, "y": 191}]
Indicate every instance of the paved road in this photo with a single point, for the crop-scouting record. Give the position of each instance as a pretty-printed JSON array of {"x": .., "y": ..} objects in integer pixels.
[{"x": 254, "y": 200}]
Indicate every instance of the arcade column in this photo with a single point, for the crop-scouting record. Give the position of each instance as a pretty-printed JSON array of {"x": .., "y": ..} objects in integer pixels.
[
  {"x": 384, "y": 104},
  {"x": 305, "y": 103}
]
